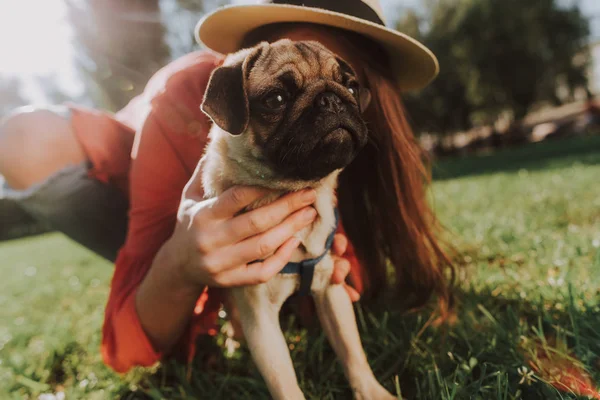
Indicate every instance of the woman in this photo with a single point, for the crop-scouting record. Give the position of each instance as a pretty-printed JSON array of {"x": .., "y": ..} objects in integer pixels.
[{"x": 96, "y": 177}]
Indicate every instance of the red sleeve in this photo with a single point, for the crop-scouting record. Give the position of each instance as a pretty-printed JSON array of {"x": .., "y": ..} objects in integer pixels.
[{"x": 168, "y": 145}]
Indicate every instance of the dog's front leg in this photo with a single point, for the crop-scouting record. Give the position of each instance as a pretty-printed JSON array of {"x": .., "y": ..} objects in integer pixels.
[
  {"x": 337, "y": 318},
  {"x": 259, "y": 308}
]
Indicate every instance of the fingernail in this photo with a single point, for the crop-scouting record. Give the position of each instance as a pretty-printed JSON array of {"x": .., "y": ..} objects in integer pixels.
[
  {"x": 295, "y": 242},
  {"x": 309, "y": 214},
  {"x": 309, "y": 195}
]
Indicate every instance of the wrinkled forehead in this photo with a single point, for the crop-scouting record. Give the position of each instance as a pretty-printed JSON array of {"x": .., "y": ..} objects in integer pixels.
[{"x": 297, "y": 63}]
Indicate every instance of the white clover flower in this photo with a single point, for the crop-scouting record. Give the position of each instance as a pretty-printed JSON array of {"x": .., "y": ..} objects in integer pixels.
[
  {"x": 52, "y": 396},
  {"x": 527, "y": 376}
]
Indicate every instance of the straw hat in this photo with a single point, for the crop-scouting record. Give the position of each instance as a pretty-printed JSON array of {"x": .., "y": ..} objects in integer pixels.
[{"x": 224, "y": 29}]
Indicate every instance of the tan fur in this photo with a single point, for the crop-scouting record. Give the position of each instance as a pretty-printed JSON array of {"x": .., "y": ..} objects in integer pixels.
[
  {"x": 236, "y": 160},
  {"x": 227, "y": 163}
]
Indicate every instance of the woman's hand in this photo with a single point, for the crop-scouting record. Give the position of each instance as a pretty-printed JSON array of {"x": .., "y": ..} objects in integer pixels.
[
  {"x": 341, "y": 266},
  {"x": 214, "y": 246}
]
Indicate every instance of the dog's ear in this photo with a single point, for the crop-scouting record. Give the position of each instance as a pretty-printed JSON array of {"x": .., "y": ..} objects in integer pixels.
[
  {"x": 225, "y": 100},
  {"x": 364, "y": 94},
  {"x": 364, "y": 98}
]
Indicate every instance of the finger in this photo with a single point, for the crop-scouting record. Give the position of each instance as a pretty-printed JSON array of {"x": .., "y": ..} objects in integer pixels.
[
  {"x": 262, "y": 246},
  {"x": 235, "y": 199},
  {"x": 262, "y": 219},
  {"x": 260, "y": 272},
  {"x": 341, "y": 269},
  {"x": 352, "y": 293},
  {"x": 340, "y": 244}
]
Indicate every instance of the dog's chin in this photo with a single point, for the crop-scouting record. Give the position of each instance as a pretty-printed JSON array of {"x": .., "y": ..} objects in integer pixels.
[
  {"x": 339, "y": 146},
  {"x": 334, "y": 151},
  {"x": 338, "y": 136}
]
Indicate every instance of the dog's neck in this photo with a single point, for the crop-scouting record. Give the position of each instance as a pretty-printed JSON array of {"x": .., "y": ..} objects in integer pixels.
[{"x": 227, "y": 162}]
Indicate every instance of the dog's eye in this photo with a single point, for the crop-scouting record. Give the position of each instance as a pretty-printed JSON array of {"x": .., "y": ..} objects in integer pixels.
[
  {"x": 275, "y": 100},
  {"x": 352, "y": 88}
]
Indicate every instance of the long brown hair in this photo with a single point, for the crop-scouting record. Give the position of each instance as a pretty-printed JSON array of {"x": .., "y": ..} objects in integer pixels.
[{"x": 383, "y": 192}]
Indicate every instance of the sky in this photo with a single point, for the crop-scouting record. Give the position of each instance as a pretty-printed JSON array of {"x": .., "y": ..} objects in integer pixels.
[
  {"x": 39, "y": 43},
  {"x": 36, "y": 44}
]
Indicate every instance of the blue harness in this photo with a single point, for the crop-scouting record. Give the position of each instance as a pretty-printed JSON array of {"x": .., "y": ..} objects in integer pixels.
[{"x": 306, "y": 268}]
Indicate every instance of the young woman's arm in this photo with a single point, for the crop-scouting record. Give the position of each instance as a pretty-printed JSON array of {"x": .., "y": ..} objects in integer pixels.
[{"x": 211, "y": 247}]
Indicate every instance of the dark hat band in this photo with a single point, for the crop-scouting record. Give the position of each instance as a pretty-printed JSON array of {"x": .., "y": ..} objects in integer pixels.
[{"x": 354, "y": 8}]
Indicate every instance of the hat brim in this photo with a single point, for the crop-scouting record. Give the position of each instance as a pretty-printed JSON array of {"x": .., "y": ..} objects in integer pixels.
[{"x": 223, "y": 31}]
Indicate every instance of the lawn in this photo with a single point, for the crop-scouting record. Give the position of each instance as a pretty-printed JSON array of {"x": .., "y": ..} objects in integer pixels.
[{"x": 527, "y": 223}]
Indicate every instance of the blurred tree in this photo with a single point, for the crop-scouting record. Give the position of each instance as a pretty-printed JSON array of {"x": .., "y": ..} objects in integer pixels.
[
  {"x": 496, "y": 56},
  {"x": 180, "y": 18},
  {"x": 121, "y": 44},
  {"x": 429, "y": 109}
]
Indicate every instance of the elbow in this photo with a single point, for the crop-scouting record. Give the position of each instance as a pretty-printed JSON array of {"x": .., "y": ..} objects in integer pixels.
[{"x": 124, "y": 342}]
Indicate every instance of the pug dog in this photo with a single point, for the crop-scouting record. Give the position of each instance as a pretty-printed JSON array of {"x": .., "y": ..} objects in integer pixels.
[{"x": 287, "y": 116}]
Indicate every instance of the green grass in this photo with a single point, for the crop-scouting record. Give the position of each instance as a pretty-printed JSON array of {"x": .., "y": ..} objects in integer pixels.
[{"x": 527, "y": 223}]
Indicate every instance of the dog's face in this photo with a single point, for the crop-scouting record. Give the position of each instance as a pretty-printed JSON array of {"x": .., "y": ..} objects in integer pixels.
[{"x": 299, "y": 103}]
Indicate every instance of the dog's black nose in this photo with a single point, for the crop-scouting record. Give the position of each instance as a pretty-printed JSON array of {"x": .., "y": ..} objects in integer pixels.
[{"x": 329, "y": 101}]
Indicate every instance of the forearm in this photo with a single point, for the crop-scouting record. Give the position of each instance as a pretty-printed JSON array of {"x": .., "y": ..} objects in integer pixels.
[{"x": 165, "y": 302}]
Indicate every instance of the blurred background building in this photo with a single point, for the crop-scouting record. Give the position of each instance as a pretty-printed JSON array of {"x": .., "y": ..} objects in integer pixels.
[{"x": 595, "y": 50}]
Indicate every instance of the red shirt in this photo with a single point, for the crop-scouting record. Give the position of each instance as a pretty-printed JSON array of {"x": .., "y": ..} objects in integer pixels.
[{"x": 149, "y": 150}]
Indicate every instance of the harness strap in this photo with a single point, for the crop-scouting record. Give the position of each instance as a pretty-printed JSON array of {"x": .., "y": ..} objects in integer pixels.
[{"x": 306, "y": 268}]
